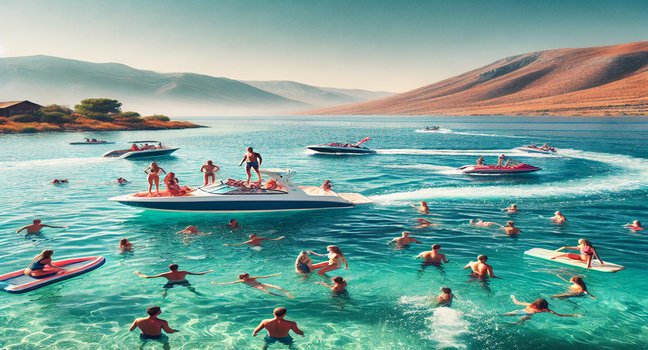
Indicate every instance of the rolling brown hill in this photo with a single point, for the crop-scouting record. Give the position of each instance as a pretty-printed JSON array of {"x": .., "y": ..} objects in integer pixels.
[{"x": 597, "y": 81}]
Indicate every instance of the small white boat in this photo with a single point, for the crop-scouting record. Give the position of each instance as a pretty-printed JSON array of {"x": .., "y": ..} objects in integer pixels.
[
  {"x": 142, "y": 150},
  {"x": 342, "y": 148},
  {"x": 230, "y": 197},
  {"x": 536, "y": 149},
  {"x": 434, "y": 128},
  {"x": 92, "y": 142}
]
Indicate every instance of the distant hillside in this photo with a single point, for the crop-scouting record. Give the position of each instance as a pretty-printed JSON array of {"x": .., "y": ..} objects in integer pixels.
[
  {"x": 598, "y": 81},
  {"x": 317, "y": 96},
  {"x": 47, "y": 80}
]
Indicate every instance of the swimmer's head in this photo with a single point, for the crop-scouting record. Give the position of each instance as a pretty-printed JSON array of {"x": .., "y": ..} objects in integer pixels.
[
  {"x": 406, "y": 233},
  {"x": 153, "y": 311},
  {"x": 514, "y": 206},
  {"x": 335, "y": 249},
  {"x": 482, "y": 258},
  {"x": 584, "y": 242},
  {"x": 210, "y": 162},
  {"x": 436, "y": 246},
  {"x": 473, "y": 221},
  {"x": 233, "y": 222},
  {"x": 579, "y": 281},
  {"x": 510, "y": 223},
  {"x": 636, "y": 223},
  {"x": 123, "y": 241},
  {"x": 37, "y": 221},
  {"x": 244, "y": 276},
  {"x": 280, "y": 312},
  {"x": 540, "y": 304},
  {"x": 558, "y": 213},
  {"x": 502, "y": 155},
  {"x": 154, "y": 164},
  {"x": 249, "y": 149},
  {"x": 252, "y": 236},
  {"x": 446, "y": 290},
  {"x": 338, "y": 279},
  {"x": 173, "y": 267},
  {"x": 424, "y": 204}
]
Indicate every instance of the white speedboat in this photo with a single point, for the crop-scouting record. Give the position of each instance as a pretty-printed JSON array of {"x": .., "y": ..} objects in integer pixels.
[
  {"x": 535, "y": 149},
  {"x": 92, "y": 142},
  {"x": 283, "y": 195},
  {"x": 342, "y": 148},
  {"x": 142, "y": 149},
  {"x": 434, "y": 128}
]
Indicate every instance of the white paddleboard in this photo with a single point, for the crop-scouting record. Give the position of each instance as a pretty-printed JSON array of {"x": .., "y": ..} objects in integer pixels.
[{"x": 596, "y": 265}]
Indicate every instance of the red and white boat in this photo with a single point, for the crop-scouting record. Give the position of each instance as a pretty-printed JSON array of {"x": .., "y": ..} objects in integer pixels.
[{"x": 519, "y": 168}]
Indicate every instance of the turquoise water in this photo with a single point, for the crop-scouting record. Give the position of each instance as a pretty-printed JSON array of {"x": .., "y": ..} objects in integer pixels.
[{"x": 600, "y": 182}]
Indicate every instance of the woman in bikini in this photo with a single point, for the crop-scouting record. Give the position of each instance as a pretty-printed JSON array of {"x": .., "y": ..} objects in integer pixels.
[
  {"x": 577, "y": 289},
  {"x": 38, "y": 266},
  {"x": 538, "y": 306},
  {"x": 153, "y": 173},
  {"x": 209, "y": 170},
  {"x": 587, "y": 253},
  {"x": 173, "y": 185},
  {"x": 336, "y": 258}
]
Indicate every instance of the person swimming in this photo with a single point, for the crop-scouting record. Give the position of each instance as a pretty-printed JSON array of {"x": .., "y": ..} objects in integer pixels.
[
  {"x": 59, "y": 181},
  {"x": 303, "y": 263},
  {"x": 152, "y": 326},
  {"x": 480, "y": 269},
  {"x": 36, "y": 227},
  {"x": 209, "y": 171},
  {"x": 125, "y": 245},
  {"x": 482, "y": 223},
  {"x": 423, "y": 208},
  {"x": 252, "y": 282},
  {"x": 278, "y": 329},
  {"x": 233, "y": 224},
  {"x": 121, "y": 181},
  {"x": 577, "y": 289},
  {"x": 635, "y": 226},
  {"x": 423, "y": 223},
  {"x": 432, "y": 257},
  {"x": 174, "y": 278},
  {"x": 404, "y": 240},
  {"x": 559, "y": 218},
  {"x": 42, "y": 266},
  {"x": 510, "y": 229},
  {"x": 587, "y": 252},
  {"x": 153, "y": 177},
  {"x": 512, "y": 209},
  {"x": 538, "y": 306},
  {"x": 338, "y": 287},
  {"x": 190, "y": 230},
  {"x": 335, "y": 260},
  {"x": 445, "y": 298},
  {"x": 255, "y": 241}
]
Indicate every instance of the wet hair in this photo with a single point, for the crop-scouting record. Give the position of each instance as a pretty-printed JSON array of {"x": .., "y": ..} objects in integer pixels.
[
  {"x": 210, "y": 162},
  {"x": 540, "y": 304},
  {"x": 45, "y": 254},
  {"x": 250, "y": 149},
  {"x": 482, "y": 258},
  {"x": 232, "y": 221},
  {"x": 243, "y": 275},
  {"x": 153, "y": 310},
  {"x": 558, "y": 213},
  {"x": 335, "y": 249},
  {"x": 37, "y": 221},
  {"x": 436, "y": 246},
  {"x": 446, "y": 290},
  {"x": 280, "y": 311},
  {"x": 637, "y": 222},
  {"x": 173, "y": 267},
  {"x": 424, "y": 204},
  {"x": 579, "y": 281},
  {"x": 513, "y": 205},
  {"x": 585, "y": 242},
  {"x": 406, "y": 233},
  {"x": 338, "y": 279},
  {"x": 123, "y": 241},
  {"x": 473, "y": 221}
]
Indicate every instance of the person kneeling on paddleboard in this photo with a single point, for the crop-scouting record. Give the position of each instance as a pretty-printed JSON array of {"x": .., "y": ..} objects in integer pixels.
[{"x": 41, "y": 261}]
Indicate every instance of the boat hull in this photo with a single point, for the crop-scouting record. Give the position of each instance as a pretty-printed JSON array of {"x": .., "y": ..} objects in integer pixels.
[
  {"x": 340, "y": 150},
  {"x": 493, "y": 170},
  {"x": 535, "y": 150},
  {"x": 234, "y": 205},
  {"x": 92, "y": 143},
  {"x": 128, "y": 154}
]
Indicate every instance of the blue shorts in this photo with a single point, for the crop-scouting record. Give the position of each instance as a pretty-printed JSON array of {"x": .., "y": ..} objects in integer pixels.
[
  {"x": 254, "y": 165},
  {"x": 151, "y": 337},
  {"x": 285, "y": 340},
  {"x": 171, "y": 284}
]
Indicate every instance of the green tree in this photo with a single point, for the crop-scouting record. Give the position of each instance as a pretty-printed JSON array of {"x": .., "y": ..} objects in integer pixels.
[{"x": 98, "y": 106}]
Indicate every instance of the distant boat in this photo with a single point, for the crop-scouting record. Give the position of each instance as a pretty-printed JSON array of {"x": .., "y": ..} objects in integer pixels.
[
  {"x": 91, "y": 142},
  {"x": 535, "y": 149},
  {"x": 342, "y": 148},
  {"x": 142, "y": 150},
  {"x": 433, "y": 128}
]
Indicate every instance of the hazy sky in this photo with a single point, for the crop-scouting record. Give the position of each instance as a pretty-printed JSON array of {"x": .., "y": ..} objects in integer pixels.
[{"x": 380, "y": 45}]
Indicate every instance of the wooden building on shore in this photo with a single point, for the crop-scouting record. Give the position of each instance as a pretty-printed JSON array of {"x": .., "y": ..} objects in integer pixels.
[{"x": 7, "y": 109}]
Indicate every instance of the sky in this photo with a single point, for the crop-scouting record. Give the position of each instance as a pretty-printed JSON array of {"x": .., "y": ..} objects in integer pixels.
[{"x": 368, "y": 44}]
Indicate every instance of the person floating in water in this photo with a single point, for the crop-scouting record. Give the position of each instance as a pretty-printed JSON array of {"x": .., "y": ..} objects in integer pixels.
[
  {"x": 445, "y": 298},
  {"x": 59, "y": 181},
  {"x": 482, "y": 223},
  {"x": 278, "y": 329},
  {"x": 175, "y": 277},
  {"x": 587, "y": 252},
  {"x": 327, "y": 185},
  {"x": 480, "y": 269},
  {"x": 121, "y": 181},
  {"x": 404, "y": 240},
  {"x": 152, "y": 326},
  {"x": 36, "y": 227},
  {"x": 338, "y": 287},
  {"x": 577, "y": 289},
  {"x": 255, "y": 241},
  {"x": 209, "y": 171},
  {"x": 125, "y": 245},
  {"x": 423, "y": 223},
  {"x": 303, "y": 263},
  {"x": 510, "y": 229},
  {"x": 335, "y": 260},
  {"x": 153, "y": 176},
  {"x": 538, "y": 306},
  {"x": 512, "y": 209},
  {"x": 559, "y": 218},
  {"x": 635, "y": 226},
  {"x": 423, "y": 208},
  {"x": 432, "y": 257},
  {"x": 252, "y": 160},
  {"x": 233, "y": 224},
  {"x": 252, "y": 282},
  {"x": 190, "y": 230},
  {"x": 42, "y": 265}
]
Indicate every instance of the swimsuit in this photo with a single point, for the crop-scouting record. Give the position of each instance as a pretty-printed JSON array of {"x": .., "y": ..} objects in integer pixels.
[
  {"x": 303, "y": 267},
  {"x": 522, "y": 312},
  {"x": 171, "y": 284},
  {"x": 287, "y": 340},
  {"x": 36, "y": 265},
  {"x": 587, "y": 250},
  {"x": 152, "y": 337},
  {"x": 254, "y": 165}
]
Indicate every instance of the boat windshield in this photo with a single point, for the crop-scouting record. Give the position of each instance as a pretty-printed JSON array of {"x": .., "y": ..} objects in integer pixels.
[{"x": 230, "y": 190}]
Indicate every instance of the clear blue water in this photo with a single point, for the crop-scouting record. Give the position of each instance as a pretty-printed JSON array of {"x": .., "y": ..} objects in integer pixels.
[{"x": 600, "y": 182}]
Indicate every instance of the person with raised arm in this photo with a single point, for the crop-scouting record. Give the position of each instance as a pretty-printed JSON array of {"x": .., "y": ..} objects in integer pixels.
[
  {"x": 404, "y": 240},
  {"x": 577, "y": 289},
  {"x": 335, "y": 260},
  {"x": 209, "y": 171},
  {"x": 153, "y": 176},
  {"x": 36, "y": 227},
  {"x": 538, "y": 306},
  {"x": 174, "y": 278},
  {"x": 587, "y": 252}
]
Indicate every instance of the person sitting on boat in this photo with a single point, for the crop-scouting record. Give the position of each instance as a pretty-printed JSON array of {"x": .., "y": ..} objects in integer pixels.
[
  {"x": 135, "y": 148},
  {"x": 173, "y": 185},
  {"x": 272, "y": 184},
  {"x": 510, "y": 229},
  {"x": 209, "y": 171},
  {"x": 445, "y": 298},
  {"x": 480, "y": 269},
  {"x": 87, "y": 139},
  {"x": 404, "y": 240},
  {"x": 538, "y": 306},
  {"x": 577, "y": 289},
  {"x": 303, "y": 263},
  {"x": 482, "y": 223},
  {"x": 335, "y": 260},
  {"x": 512, "y": 209},
  {"x": 255, "y": 241},
  {"x": 125, "y": 245},
  {"x": 252, "y": 282},
  {"x": 635, "y": 226},
  {"x": 500, "y": 160},
  {"x": 423, "y": 208},
  {"x": 559, "y": 218},
  {"x": 253, "y": 160},
  {"x": 587, "y": 252},
  {"x": 93, "y": 140},
  {"x": 42, "y": 266},
  {"x": 174, "y": 277},
  {"x": 327, "y": 185},
  {"x": 480, "y": 160},
  {"x": 338, "y": 287},
  {"x": 152, "y": 326},
  {"x": 160, "y": 145},
  {"x": 432, "y": 257},
  {"x": 278, "y": 329},
  {"x": 36, "y": 226}
]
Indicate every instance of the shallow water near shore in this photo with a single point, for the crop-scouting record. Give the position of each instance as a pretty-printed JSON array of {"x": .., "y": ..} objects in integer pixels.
[{"x": 599, "y": 181}]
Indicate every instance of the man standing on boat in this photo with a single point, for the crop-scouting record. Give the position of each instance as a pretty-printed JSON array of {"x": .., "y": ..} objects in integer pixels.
[{"x": 252, "y": 160}]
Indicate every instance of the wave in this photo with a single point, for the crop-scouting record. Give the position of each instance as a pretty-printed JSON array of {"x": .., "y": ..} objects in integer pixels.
[
  {"x": 439, "y": 169},
  {"x": 450, "y": 131},
  {"x": 634, "y": 175},
  {"x": 463, "y": 152}
]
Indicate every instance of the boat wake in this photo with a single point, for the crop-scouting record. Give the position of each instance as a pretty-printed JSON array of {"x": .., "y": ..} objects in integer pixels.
[
  {"x": 450, "y": 131},
  {"x": 56, "y": 162},
  {"x": 463, "y": 152},
  {"x": 446, "y": 325},
  {"x": 633, "y": 175},
  {"x": 438, "y": 169}
]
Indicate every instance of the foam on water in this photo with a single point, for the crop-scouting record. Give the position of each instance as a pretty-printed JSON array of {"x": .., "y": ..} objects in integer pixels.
[{"x": 463, "y": 152}]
